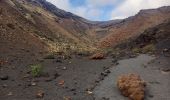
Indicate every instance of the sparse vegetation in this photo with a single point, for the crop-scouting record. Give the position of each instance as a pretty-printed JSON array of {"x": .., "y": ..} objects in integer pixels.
[
  {"x": 136, "y": 50},
  {"x": 36, "y": 70},
  {"x": 50, "y": 56},
  {"x": 148, "y": 48}
]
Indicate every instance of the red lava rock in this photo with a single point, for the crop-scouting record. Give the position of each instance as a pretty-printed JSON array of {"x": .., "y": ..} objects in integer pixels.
[
  {"x": 61, "y": 82},
  {"x": 67, "y": 98},
  {"x": 97, "y": 56},
  {"x": 40, "y": 94},
  {"x": 131, "y": 86},
  {"x": 3, "y": 62}
]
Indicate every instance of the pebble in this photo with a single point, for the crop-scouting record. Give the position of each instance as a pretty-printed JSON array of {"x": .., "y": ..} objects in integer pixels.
[
  {"x": 4, "y": 85},
  {"x": 58, "y": 61},
  {"x": 33, "y": 84},
  {"x": 104, "y": 74},
  {"x": 5, "y": 77},
  {"x": 73, "y": 89},
  {"x": 107, "y": 71},
  {"x": 40, "y": 94},
  {"x": 64, "y": 68},
  {"x": 89, "y": 92},
  {"x": 10, "y": 94}
]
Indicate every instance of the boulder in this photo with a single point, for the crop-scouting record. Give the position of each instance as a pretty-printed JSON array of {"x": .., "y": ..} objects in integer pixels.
[{"x": 97, "y": 56}]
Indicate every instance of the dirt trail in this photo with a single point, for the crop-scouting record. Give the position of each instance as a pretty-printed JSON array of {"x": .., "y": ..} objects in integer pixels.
[{"x": 157, "y": 81}]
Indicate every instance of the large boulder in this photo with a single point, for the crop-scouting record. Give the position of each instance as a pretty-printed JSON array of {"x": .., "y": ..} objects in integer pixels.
[{"x": 131, "y": 86}]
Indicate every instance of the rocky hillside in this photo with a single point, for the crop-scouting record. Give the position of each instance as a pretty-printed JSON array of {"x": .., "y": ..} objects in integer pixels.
[
  {"x": 37, "y": 25},
  {"x": 155, "y": 39},
  {"x": 134, "y": 26},
  {"x": 17, "y": 34}
]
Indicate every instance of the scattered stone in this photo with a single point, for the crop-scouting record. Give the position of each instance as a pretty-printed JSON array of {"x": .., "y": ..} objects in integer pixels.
[
  {"x": 73, "y": 89},
  {"x": 4, "y": 85},
  {"x": 61, "y": 82},
  {"x": 45, "y": 74},
  {"x": 104, "y": 74},
  {"x": 166, "y": 70},
  {"x": 64, "y": 68},
  {"x": 104, "y": 98},
  {"x": 10, "y": 94},
  {"x": 5, "y": 77},
  {"x": 74, "y": 93},
  {"x": 131, "y": 86},
  {"x": 150, "y": 95},
  {"x": 97, "y": 81},
  {"x": 89, "y": 92},
  {"x": 97, "y": 56},
  {"x": 26, "y": 76},
  {"x": 40, "y": 94},
  {"x": 165, "y": 50},
  {"x": 101, "y": 78},
  {"x": 58, "y": 61},
  {"x": 107, "y": 71},
  {"x": 67, "y": 98},
  {"x": 19, "y": 84},
  {"x": 115, "y": 62},
  {"x": 33, "y": 84},
  {"x": 132, "y": 56},
  {"x": 49, "y": 79}
]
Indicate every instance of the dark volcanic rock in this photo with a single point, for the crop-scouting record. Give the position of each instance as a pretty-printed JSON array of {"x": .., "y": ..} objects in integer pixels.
[{"x": 5, "y": 77}]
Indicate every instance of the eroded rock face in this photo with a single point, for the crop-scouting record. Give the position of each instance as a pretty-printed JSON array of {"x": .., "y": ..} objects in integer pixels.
[{"x": 131, "y": 86}]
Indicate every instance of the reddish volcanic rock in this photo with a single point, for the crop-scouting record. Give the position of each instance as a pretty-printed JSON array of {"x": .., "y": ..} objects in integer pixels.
[
  {"x": 131, "y": 86},
  {"x": 97, "y": 56}
]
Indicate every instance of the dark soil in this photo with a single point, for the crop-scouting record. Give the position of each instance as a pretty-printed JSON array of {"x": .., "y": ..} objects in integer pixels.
[{"x": 62, "y": 79}]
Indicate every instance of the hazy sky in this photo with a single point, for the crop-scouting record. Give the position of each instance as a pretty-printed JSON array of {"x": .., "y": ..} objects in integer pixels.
[{"x": 107, "y": 9}]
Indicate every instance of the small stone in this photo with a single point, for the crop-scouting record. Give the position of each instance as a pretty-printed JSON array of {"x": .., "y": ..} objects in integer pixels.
[
  {"x": 73, "y": 89},
  {"x": 64, "y": 68},
  {"x": 67, "y": 98},
  {"x": 104, "y": 98},
  {"x": 26, "y": 76},
  {"x": 58, "y": 61},
  {"x": 33, "y": 84},
  {"x": 165, "y": 50},
  {"x": 61, "y": 82},
  {"x": 74, "y": 93},
  {"x": 10, "y": 94},
  {"x": 89, "y": 92},
  {"x": 5, "y": 77},
  {"x": 97, "y": 81},
  {"x": 107, "y": 71},
  {"x": 104, "y": 74},
  {"x": 40, "y": 94},
  {"x": 4, "y": 85}
]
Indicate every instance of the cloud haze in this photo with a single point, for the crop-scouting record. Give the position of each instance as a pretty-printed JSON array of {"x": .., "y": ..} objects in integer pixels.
[{"x": 107, "y": 9}]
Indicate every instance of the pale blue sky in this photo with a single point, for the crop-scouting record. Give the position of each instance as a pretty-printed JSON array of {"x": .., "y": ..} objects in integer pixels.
[{"x": 102, "y": 10}]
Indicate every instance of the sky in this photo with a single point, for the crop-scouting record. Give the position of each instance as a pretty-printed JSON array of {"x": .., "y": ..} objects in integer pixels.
[{"x": 103, "y": 10}]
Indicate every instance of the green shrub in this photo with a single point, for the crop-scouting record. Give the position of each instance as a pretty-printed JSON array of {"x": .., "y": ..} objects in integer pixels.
[{"x": 36, "y": 70}]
